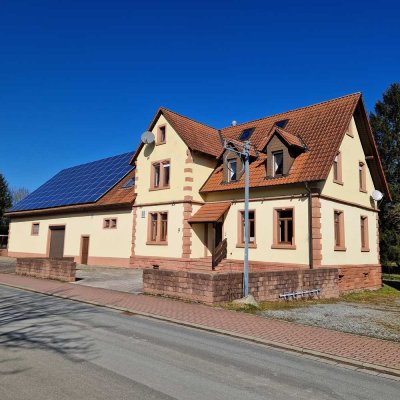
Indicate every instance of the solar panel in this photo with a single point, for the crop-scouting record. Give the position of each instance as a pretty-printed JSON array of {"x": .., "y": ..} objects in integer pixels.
[
  {"x": 82, "y": 184},
  {"x": 246, "y": 133}
]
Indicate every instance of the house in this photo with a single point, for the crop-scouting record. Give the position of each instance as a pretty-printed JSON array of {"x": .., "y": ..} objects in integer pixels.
[{"x": 312, "y": 173}]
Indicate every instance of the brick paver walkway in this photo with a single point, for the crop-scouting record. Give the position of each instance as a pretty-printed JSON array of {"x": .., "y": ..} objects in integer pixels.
[{"x": 368, "y": 351}]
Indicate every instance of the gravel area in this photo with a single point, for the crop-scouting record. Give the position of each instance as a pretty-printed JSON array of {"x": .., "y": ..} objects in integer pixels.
[{"x": 362, "y": 319}]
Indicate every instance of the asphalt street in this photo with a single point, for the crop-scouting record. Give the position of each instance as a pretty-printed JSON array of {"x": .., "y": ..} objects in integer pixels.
[{"x": 55, "y": 349}]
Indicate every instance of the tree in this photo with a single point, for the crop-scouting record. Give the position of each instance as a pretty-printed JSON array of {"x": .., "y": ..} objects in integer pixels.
[
  {"x": 5, "y": 203},
  {"x": 18, "y": 194},
  {"x": 385, "y": 123}
]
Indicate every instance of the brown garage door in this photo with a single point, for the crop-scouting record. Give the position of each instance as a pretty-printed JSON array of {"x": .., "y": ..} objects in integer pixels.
[{"x": 57, "y": 236}]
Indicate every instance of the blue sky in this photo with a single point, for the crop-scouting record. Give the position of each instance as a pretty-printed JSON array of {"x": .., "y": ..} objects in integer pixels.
[{"x": 81, "y": 80}]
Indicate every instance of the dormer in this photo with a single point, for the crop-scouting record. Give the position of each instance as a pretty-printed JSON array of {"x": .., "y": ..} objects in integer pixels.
[{"x": 282, "y": 148}]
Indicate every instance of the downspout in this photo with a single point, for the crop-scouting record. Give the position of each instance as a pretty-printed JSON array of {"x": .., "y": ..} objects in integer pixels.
[{"x": 310, "y": 240}]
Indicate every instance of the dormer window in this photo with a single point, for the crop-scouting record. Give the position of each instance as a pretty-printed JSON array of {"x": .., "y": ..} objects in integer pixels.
[
  {"x": 232, "y": 170},
  {"x": 129, "y": 183},
  {"x": 277, "y": 163}
]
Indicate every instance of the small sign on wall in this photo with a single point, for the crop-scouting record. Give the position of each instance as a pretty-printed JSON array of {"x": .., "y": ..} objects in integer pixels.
[{"x": 143, "y": 214}]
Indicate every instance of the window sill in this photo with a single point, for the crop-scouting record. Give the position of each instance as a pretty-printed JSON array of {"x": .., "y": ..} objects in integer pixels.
[
  {"x": 153, "y": 189},
  {"x": 283, "y": 246},
  {"x": 157, "y": 243},
  {"x": 340, "y": 248},
  {"x": 363, "y": 190},
  {"x": 160, "y": 143},
  {"x": 366, "y": 250},
  {"x": 338, "y": 182},
  {"x": 251, "y": 245}
]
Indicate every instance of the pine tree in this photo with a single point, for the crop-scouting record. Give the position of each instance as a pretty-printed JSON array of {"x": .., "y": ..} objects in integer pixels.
[
  {"x": 385, "y": 124},
  {"x": 5, "y": 203}
]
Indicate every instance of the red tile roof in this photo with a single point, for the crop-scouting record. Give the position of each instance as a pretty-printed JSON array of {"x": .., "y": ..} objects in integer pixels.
[{"x": 321, "y": 128}]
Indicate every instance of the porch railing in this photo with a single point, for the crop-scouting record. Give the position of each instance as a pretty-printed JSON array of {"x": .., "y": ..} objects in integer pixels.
[{"x": 220, "y": 252}]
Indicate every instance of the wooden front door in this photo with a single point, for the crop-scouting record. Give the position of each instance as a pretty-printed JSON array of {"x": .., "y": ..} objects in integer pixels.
[
  {"x": 85, "y": 250},
  {"x": 57, "y": 236},
  {"x": 218, "y": 233}
]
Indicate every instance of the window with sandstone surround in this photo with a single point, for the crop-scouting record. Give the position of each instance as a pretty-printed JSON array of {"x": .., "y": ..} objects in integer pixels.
[
  {"x": 338, "y": 222},
  {"x": 160, "y": 175},
  {"x": 337, "y": 169},
  {"x": 157, "y": 228},
  {"x": 110, "y": 223},
  {"x": 35, "y": 229},
  {"x": 232, "y": 170},
  {"x": 284, "y": 229},
  {"x": 252, "y": 229},
  {"x": 361, "y": 176},
  {"x": 162, "y": 134},
  {"x": 364, "y": 233}
]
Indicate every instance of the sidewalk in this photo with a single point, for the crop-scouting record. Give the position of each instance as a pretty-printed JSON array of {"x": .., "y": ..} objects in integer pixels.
[{"x": 377, "y": 356}]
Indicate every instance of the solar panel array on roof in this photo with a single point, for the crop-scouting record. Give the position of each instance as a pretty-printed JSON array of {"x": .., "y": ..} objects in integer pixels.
[
  {"x": 82, "y": 184},
  {"x": 246, "y": 133}
]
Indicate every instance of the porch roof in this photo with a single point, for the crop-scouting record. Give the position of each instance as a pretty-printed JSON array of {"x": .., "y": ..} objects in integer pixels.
[{"x": 210, "y": 212}]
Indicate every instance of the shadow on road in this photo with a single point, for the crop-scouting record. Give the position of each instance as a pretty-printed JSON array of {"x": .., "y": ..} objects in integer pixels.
[{"x": 30, "y": 321}]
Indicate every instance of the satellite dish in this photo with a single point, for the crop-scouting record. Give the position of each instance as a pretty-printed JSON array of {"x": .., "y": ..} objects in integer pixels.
[
  {"x": 377, "y": 195},
  {"x": 147, "y": 137}
]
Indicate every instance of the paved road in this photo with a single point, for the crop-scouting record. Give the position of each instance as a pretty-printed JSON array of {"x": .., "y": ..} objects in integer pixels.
[{"x": 58, "y": 349}]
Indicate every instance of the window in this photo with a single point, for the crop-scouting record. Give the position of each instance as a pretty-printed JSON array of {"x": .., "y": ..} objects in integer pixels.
[
  {"x": 337, "y": 169},
  {"x": 277, "y": 163},
  {"x": 232, "y": 170},
  {"x": 252, "y": 229},
  {"x": 246, "y": 134},
  {"x": 35, "y": 229},
  {"x": 338, "y": 220},
  {"x": 285, "y": 226},
  {"x": 158, "y": 228},
  {"x": 129, "y": 183},
  {"x": 161, "y": 173},
  {"x": 364, "y": 233},
  {"x": 110, "y": 223},
  {"x": 162, "y": 134},
  {"x": 361, "y": 176}
]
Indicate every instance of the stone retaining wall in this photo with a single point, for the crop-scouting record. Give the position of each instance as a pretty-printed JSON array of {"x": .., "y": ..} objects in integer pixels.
[
  {"x": 209, "y": 287},
  {"x": 47, "y": 268},
  {"x": 359, "y": 277}
]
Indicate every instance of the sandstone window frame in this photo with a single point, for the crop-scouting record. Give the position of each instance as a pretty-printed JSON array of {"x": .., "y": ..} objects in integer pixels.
[
  {"x": 110, "y": 223},
  {"x": 157, "y": 228},
  {"x": 240, "y": 233},
  {"x": 339, "y": 231},
  {"x": 159, "y": 177},
  {"x": 364, "y": 233},
  {"x": 362, "y": 173},
  {"x": 35, "y": 228},
  {"x": 162, "y": 134},
  {"x": 277, "y": 221},
  {"x": 337, "y": 169}
]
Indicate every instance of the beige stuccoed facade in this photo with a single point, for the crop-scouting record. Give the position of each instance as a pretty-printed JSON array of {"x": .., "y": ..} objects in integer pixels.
[{"x": 106, "y": 246}]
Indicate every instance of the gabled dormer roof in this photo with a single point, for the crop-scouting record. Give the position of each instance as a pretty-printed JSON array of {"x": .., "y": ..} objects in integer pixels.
[
  {"x": 197, "y": 136},
  {"x": 289, "y": 138}
]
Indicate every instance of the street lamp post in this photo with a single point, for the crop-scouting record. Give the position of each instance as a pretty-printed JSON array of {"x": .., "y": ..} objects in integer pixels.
[{"x": 244, "y": 154}]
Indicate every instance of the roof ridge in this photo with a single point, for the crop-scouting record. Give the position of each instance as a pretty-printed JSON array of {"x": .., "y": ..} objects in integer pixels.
[
  {"x": 296, "y": 109},
  {"x": 190, "y": 119},
  {"x": 100, "y": 159}
]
